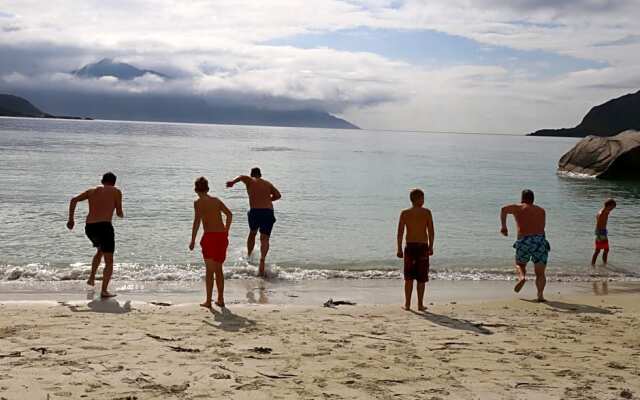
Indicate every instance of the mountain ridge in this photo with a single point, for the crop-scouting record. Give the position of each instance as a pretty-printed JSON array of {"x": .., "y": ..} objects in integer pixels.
[
  {"x": 606, "y": 119},
  {"x": 109, "y": 67}
]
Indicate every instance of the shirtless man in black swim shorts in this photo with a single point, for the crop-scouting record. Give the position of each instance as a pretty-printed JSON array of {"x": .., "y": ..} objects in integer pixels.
[
  {"x": 103, "y": 200},
  {"x": 262, "y": 194},
  {"x": 418, "y": 223}
]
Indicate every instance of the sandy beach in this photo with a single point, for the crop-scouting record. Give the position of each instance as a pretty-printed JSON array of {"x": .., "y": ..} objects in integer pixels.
[{"x": 574, "y": 347}]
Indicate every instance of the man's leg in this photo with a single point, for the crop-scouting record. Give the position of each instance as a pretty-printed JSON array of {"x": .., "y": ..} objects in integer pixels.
[
  {"x": 251, "y": 242},
  {"x": 521, "y": 269},
  {"x": 541, "y": 280},
  {"x": 421, "y": 287},
  {"x": 95, "y": 263},
  {"x": 408, "y": 288},
  {"x": 217, "y": 269},
  {"x": 264, "y": 249},
  {"x": 595, "y": 257},
  {"x": 106, "y": 275},
  {"x": 605, "y": 255},
  {"x": 208, "y": 278}
]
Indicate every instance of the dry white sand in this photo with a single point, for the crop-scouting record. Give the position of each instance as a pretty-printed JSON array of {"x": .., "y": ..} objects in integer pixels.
[{"x": 577, "y": 347}]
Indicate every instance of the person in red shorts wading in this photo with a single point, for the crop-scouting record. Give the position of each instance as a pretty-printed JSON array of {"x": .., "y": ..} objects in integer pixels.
[
  {"x": 214, "y": 242},
  {"x": 602, "y": 236}
]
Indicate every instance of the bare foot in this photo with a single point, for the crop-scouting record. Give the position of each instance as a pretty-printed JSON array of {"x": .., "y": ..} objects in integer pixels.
[
  {"x": 206, "y": 304},
  {"x": 541, "y": 300},
  {"x": 519, "y": 285},
  {"x": 422, "y": 308},
  {"x": 261, "y": 269},
  {"x": 406, "y": 307},
  {"x": 219, "y": 304},
  {"x": 91, "y": 281},
  {"x": 106, "y": 295}
]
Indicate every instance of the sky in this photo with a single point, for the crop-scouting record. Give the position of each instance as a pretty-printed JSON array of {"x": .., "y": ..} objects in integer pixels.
[{"x": 494, "y": 66}]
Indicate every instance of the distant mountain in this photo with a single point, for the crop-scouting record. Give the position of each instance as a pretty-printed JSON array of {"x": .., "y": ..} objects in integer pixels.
[
  {"x": 164, "y": 107},
  {"x": 176, "y": 108},
  {"x": 608, "y": 119},
  {"x": 15, "y": 106},
  {"x": 109, "y": 67}
]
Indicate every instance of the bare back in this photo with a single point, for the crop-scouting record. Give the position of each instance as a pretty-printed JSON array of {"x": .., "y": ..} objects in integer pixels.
[
  {"x": 417, "y": 221},
  {"x": 530, "y": 219},
  {"x": 210, "y": 211},
  {"x": 103, "y": 201},
  {"x": 602, "y": 218},
  {"x": 260, "y": 193}
]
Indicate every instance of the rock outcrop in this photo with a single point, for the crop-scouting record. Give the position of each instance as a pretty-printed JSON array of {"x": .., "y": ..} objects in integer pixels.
[
  {"x": 608, "y": 119},
  {"x": 605, "y": 157}
]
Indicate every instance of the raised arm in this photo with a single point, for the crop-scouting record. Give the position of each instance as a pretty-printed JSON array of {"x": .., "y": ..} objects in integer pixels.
[
  {"x": 242, "y": 178},
  {"x": 119, "y": 212},
  {"x": 196, "y": 225},
  {"x": 506, "y": 210},
  {"x": 228, "y": 214},
  {"x": 431, "y": 232},
  {"x": 275, "y": 194},
  {"x": 72, "y": 207},
  {"x": 401, "y": 225}
]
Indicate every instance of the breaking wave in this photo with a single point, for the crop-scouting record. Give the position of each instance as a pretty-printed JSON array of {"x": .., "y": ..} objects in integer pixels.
[{"x": 243, "y": 270}]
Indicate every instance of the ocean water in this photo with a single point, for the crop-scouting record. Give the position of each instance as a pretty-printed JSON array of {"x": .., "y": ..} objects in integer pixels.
[{"x": 342, "y": 193}]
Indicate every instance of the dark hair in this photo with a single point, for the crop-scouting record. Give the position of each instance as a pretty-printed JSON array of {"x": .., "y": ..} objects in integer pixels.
[
  {"x": 527, "y": 196},
  {"x": 255, "y": 172},
  {"x": 610, "y": 203},
  {"x": 415, "y": 194},
  {"x": 202, "y": 185},
  {"x": 109, "y": 178}
]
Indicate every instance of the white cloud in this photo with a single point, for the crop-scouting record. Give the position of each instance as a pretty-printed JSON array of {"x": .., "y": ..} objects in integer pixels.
[{"x": 213, "y": 48}]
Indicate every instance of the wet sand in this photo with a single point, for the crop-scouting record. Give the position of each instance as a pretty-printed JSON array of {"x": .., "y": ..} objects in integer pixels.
[
  {"x": 576, "y": 346},
  {"x": 303, "y": 292}
]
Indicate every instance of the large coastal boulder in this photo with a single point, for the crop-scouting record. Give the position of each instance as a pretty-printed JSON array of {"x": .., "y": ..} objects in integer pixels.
[{"x": 608, "y": 158}]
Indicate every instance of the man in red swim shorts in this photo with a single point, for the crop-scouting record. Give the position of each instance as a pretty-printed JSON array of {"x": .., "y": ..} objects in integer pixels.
[
  {"x": 214, "y": 242},
  {"x": 419, "y": 246}
]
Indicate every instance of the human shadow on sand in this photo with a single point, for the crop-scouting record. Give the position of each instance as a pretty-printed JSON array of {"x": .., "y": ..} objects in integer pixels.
[
  {"x": 571, "y": 308},
  {"x": 228, "y": 321},
  {"x": 454, "y": 323},
  {"x": 109, "y": 306}
]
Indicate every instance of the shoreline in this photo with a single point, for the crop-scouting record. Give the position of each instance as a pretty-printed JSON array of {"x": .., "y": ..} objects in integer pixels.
[
  {"x": 497, "y": 349},
  {"x": 307, "y": 293}
]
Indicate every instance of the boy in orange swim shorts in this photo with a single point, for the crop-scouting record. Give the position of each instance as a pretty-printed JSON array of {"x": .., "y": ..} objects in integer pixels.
[{"x": 208, "y": 210}]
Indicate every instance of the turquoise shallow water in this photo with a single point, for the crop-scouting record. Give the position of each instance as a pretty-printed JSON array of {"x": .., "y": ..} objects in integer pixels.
[{"x": 342, "y": 192}]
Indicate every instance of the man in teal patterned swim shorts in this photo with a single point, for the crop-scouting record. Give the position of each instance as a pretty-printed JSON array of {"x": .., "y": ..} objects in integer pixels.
[{"x": 532, "y": 244}]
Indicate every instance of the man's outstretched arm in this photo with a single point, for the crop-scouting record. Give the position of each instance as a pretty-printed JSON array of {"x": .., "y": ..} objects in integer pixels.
[
  {"x": 400, "y": 234},
  {"x": 228, "y": 214},
  {"x": 119, "y": 212},
  {"x": 196, "y": 225},
  {"x": 432, "y": 233},
  {"x": 242, "y": 178},
  {"x": 506, "y": 210},
  {"x": 72, "y": 207},
  {"x": 275, "y": 194}
]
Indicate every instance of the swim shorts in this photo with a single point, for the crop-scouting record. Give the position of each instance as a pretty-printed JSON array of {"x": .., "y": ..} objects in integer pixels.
[
  {"x": 214, "y": 246},
  {"x": 416, "y": 262},
  {"x": 101, "y": 235},
  {"x": 262, "y": 219},
  {"x": 602, "y": 240},
  {"x": 532, "y": 248}
]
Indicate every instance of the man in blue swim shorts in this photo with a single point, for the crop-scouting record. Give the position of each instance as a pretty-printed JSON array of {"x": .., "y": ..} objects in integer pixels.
[
  {"x": 532, "y": 244},
  {"x": 262, "y": 194}
]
